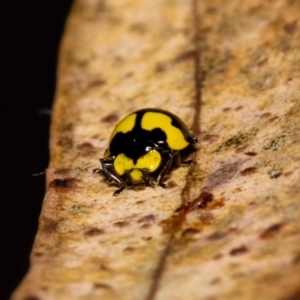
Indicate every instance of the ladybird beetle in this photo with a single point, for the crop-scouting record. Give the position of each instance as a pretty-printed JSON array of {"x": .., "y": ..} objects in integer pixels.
[{"x": 143, "y": 146}]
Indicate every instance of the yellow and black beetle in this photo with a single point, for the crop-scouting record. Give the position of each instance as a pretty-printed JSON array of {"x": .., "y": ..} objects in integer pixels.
[{"x": 142, "y": 145}]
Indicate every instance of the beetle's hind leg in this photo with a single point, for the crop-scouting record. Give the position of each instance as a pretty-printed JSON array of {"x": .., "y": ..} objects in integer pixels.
[{"x": 181, "y": 163}]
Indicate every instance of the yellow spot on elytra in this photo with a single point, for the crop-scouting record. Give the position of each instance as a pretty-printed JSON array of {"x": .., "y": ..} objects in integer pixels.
[
  {"x": 124, "y": 126},
  {"x": 175, "y": 138},
  {"x": 150, "y": 162}
]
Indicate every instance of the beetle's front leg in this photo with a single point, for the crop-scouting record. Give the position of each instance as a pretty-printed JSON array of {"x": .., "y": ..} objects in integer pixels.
[
  {"x": 165, "y": 170},
  {"x": 108, "y": 170}
]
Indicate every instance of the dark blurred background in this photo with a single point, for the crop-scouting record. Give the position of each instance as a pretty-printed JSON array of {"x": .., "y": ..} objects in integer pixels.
[{"x": 31, "y": 36}]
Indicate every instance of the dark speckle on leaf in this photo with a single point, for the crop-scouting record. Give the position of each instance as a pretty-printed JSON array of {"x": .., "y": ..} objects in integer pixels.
[
  {"x": 189, "y": 232},
  {"x": 217, "y": 256},
  {"x": 189, "y": 55},
  {"x": 121, "y": 224},
  {"x": 172, "y": 184},
  {"x": 161, "y": 67},
  {"x": 32, "y": 297},
  {"x": 250, "y": 153},
  {"x": 140, "y": 202},
  {"x": 64, "y": 183},
  {"x": 101, "y": 285},
  {"x": 65, "y": 142},
  {"x": 138, "y": 27},
  {"x": 238, "y": 108},
  {"x": 111, "y": 118},
  {"x": 291, "y": 28},
  {"x": 276, "y": 175},
  {"x": 96, "y": 83},
  {"x": 148, "y": 218},
  {"x": 248, "y": 171},
  {"x": 241, "y": 149},
  {"x": 265, "y": 115},
  {"x": 94, "y": 232},
  {"x": 48, "y": 225},
  {"x": 144, "y": 226},
  {"x": 272, "y": 231},
  {"x": 218, "y": 235},
  {"x": 128, "y": 249},
  {"x": 86, "y": 149},
  {"x": 128, "y": 74},
  {"x": 224, "y": 174},
  {"x": 215, "y": 281},
  {"x": 238, "y": 250},
  {"x": 262, "y": 62}
]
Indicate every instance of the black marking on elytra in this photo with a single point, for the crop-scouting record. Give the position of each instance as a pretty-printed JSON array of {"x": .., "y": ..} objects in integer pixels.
[{"x": 134, "y": 143}]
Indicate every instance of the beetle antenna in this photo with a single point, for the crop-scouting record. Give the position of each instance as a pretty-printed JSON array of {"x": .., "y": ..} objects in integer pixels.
[{"x": 38, "y": 174}]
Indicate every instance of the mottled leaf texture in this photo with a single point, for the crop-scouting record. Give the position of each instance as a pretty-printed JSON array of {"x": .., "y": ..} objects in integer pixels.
[{"x": 227, "y": 227}]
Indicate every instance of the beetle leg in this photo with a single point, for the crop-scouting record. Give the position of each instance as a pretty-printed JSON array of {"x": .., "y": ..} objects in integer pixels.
[
  {"x": 146, "y": 177},
  {"x": 181, "y": 163},
  {"x": 107, "y": 169},
  {"x": 165, "y": 170},
  {"x": 98, "y": 171},
  {"x": 101, "y": 172}
]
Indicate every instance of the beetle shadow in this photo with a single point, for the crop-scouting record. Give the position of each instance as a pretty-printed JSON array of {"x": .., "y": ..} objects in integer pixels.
[{"x": 184, "y": 160}]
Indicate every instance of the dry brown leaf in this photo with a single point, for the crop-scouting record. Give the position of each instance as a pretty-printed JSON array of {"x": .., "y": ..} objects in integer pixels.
[{"x": 227, "y": 228}]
